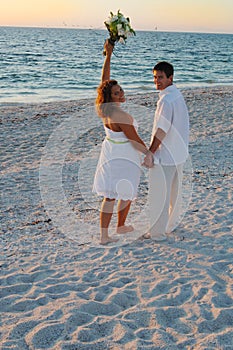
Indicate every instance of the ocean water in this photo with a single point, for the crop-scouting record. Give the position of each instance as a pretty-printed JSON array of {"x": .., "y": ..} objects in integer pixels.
[{"x": 51, "y": 64}]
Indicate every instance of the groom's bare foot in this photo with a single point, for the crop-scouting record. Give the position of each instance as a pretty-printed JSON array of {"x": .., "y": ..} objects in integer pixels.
[
  {"x": 108, "y": 240},
  {"x": 124, "y": 229}
]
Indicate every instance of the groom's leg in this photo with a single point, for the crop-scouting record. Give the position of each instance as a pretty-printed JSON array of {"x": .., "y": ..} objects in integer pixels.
[
  {"x": 175, "y": 199},
  {"x": 160, "y": 179}
]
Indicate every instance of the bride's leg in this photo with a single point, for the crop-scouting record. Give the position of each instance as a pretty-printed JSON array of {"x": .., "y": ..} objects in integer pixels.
[
  {"x": 105, "y": 218},
  {"x": 122, "y": 212}
]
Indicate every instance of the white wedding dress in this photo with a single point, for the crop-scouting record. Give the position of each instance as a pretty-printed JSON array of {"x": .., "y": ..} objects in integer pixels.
[{"x": 119, "y": 167}]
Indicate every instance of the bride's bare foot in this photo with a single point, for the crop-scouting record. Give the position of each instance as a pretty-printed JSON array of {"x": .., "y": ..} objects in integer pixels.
[
  {"x": 108, "y": 240},
  {"x": 124, "y": 229}
]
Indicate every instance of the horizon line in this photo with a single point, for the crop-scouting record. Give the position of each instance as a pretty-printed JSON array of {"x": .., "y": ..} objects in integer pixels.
[{"x": 98, "y": 28}]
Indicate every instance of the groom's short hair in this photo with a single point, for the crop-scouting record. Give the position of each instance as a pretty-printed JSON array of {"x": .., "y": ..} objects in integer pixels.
[{"x": 165, "y": 67}]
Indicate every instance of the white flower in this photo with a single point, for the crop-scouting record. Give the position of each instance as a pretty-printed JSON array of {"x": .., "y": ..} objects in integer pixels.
[
  {"x": 119, "y": 26},
  {"x": 124, "y": 20},
  {"x": 113, "y": 19}
]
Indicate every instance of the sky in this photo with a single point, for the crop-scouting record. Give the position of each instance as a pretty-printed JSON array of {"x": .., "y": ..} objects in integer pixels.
[{"x": 212, "y": 16}]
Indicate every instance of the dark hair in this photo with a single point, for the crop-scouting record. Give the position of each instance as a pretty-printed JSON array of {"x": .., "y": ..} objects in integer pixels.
[
  {"x": 103, "y": 99},
  {"x": 165, "y": 67}
]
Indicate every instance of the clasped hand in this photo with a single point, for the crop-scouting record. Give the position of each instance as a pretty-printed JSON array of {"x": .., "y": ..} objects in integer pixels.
[{"x": 148, "y": 160}]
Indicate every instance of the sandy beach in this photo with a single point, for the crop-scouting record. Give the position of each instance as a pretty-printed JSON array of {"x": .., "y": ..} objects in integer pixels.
[{"x": 60, "y": 289}]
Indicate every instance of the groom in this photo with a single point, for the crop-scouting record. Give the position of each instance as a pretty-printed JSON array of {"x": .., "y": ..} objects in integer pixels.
[{"x": 168, "y": 153}]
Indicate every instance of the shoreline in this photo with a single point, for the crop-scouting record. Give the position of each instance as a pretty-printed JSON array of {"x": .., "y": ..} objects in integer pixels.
[
  {"x": 60, "y": 293},
  {"x": 129, "y": 95}
]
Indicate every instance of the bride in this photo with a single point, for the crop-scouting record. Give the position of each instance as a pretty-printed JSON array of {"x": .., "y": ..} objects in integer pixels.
[{"x": 118, "y": 171}]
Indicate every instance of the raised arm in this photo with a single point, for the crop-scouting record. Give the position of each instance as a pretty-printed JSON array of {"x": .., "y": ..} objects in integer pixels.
[{"x": 108, "y": 48}]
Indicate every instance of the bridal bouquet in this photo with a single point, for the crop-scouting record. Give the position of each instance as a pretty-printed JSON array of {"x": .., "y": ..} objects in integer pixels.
[{"x": 119, "y": 28}]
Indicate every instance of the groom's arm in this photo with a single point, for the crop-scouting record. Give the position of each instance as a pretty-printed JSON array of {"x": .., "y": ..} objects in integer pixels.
[
  {"x": 157, "y": 139},
  {"x": 164, "y": 114}
]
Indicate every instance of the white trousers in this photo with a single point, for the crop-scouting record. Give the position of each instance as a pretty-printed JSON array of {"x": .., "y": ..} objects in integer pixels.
[{"x": 165, "y": 199}]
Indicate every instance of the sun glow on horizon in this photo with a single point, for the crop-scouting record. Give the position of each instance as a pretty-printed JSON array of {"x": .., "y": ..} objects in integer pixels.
[
  {"x": 194, "y": 15},
  {"x": 29, "y": 13}
]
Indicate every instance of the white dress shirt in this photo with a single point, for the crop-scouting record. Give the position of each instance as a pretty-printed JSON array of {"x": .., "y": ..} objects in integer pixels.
[{"x": 172, "y": 117}]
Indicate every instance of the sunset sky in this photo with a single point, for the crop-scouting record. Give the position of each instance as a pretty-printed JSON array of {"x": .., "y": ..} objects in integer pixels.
[{"x": 171, "y": 15}]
